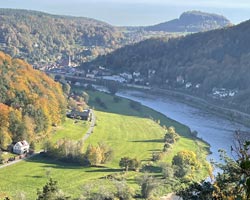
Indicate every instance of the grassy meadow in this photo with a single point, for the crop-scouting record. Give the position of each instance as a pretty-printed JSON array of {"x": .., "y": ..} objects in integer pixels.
[{"x": 133, "y": 133}]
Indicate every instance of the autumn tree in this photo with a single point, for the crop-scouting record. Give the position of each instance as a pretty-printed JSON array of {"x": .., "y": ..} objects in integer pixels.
[
  {"x": 30, "y": 101},
  {"x": 171, "y": 136},
  {"x": 185, "y": 162},
  {"x": 99, "y": 154}
]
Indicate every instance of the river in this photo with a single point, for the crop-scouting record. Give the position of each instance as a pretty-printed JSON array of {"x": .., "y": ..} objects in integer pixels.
[{"x": 216, "y": 131}]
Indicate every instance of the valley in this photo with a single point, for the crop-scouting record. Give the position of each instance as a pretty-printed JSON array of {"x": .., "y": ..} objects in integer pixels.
[
  {"x": 128, "y": 132},
  {"x": 93, "y": 111}
]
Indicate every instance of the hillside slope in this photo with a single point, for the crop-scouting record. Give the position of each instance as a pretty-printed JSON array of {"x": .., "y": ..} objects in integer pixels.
[
  {"x": 30, "y": 101},
  {"x": 192, "y": 21},
  {"x": 41, "y": 36},
  {"x": 214, "y": 59}
]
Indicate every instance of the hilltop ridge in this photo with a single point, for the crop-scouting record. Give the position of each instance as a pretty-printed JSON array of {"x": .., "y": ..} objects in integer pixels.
[{"x": 192, "y": 21}]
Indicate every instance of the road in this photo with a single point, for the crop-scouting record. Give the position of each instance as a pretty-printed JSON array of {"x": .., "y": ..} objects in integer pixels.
[{"x": 17, "y": 161}]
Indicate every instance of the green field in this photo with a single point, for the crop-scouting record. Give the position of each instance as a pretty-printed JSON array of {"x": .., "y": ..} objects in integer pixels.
[
  {"x": 129, "y": 133},
  {"x": 70, "y": 129}
]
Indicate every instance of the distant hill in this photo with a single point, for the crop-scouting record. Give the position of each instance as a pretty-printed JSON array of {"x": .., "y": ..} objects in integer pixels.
[
  {"x": 38, "y": 36},
  {"x": 213, "y": 59},
  {"x": 30, "y": 102},
  {"x": 192, "y": 21},
  {"x": 41, "y": 37}
]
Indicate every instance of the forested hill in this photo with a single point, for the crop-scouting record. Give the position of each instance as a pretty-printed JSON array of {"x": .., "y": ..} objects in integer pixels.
[
  {"x": 30, "y": 102},
  {"x": 40, "y": 36},
  {"x": 214, "y": 59},
  {"x": 192, "y": 21}
]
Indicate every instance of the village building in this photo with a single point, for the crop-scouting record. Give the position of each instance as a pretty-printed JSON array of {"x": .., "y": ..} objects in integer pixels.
[
  {"x": 197, "y": 85},
  {"x": 85, "y": 115},
  {"x": 136, "y": 74},
  {"x": 116, "y": 78},
  {"x": 188, "y": 85},
  {"x": 89, "y": 75},
  {"x": 126, "y": 76},
  {"x": 151, "y": 73},
  {"x": 180, "y": 80},
  {"x": 21, "y": 147}
]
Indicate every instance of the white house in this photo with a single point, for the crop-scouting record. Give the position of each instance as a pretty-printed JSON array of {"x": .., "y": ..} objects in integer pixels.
[
  {"x": 188, "y": 84},
  {"x": 21, "y": 147},
  {"x": 136, "y": 74},
  {"x": 126, "y": 76}
]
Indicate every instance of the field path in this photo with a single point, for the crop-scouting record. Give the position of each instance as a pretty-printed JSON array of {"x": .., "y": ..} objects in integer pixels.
[
  {"x": 19, "y": 160},
  {"x": 91, "y": 128}
]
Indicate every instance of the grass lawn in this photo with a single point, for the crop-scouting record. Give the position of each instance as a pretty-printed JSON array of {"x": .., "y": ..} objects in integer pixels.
[
  {"x": 129, "y": 132},
  {"x": 123, "y": 107},
  {"x": 70, "y": 129},
  {"x": 27, "y": 176}
]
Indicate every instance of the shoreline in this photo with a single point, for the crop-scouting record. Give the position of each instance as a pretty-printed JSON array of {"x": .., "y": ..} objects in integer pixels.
[{"x": 197, "y": 102}]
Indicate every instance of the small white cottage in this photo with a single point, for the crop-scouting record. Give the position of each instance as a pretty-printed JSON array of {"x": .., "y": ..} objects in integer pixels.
[{"x": 21, "y": 147}]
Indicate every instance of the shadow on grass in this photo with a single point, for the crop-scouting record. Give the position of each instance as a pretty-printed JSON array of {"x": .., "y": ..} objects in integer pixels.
[
  {"x": 46, "y": 162},
  {"x": 150, "y": 141},
  {"x": 53, "y": 163},
  {"x": 107, "y": 170},
  {"x": 152, "y": 169},
  {"x": 34, "y": 176},
  {"x": 155, "y": 150}
]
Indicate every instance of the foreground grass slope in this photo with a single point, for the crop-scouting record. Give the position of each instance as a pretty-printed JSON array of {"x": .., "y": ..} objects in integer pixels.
[{"x": 129, "y": 133}]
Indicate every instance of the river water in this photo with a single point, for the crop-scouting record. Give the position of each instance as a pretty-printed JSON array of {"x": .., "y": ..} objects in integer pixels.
[{"x": 216, "y": 131}]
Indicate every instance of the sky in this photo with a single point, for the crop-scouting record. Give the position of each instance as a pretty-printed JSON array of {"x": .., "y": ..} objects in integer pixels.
[{"x": 135, "y": 12}]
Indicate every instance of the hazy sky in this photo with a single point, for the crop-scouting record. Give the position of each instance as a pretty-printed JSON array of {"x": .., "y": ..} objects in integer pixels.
[{"x": 135, "y": 12}]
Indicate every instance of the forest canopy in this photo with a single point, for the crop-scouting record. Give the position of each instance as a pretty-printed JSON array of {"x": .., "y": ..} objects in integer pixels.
[{"x": 30, "y": 101}]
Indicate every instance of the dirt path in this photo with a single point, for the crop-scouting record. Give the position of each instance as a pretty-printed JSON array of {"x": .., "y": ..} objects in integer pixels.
[{"x": 92, "y": 125}]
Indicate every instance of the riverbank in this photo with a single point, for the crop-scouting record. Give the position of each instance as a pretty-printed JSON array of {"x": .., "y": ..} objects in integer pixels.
[
  {"x": 229, "y": 114},
  {"x": 215, "y": 130}
]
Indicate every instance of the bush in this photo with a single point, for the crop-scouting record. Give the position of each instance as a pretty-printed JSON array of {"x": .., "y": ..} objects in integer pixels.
[
  {"x": 135, "y": 105},
  {"x": 166, "y": 147},
  {"x": 129, "y": 163},
  {"x": 156, "y": 156}
]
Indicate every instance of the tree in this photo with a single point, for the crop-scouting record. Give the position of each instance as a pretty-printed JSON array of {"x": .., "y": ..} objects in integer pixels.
[
  {"x": 107, "y": 153},
  {"x": 171, "y": 136},
  {"x": 51, "y": 192},
  {"x": 125, "y": 162},
  {"x": 184, "y": 162},
  {"x": 148, "y": 184},
  {"x": 107, "y": 190},
  {"x": 167, "y": 170},
  {"x": 32, "y": 146},
  {"x": 233, "y": 180},
  {"x": 123, "y": 191},
  {"x": 66, "y": 88},
  {"x": 129, "y": 163},
  {"x": 94, "y": 155}
]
